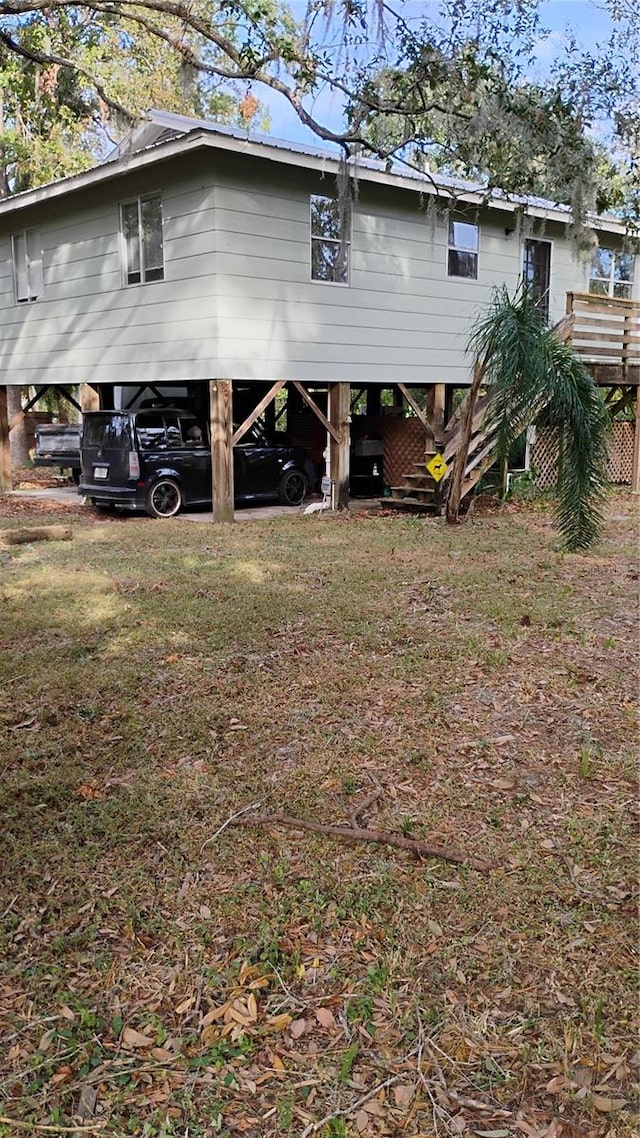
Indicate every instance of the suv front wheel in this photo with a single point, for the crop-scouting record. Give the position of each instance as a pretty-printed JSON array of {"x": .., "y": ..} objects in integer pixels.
[
  {"x": 292, "y": 488},
  {"x": 164, "y": 499}
]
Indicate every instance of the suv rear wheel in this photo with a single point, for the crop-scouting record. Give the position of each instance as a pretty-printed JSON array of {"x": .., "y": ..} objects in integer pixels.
[{"x": 164, "y": 498}]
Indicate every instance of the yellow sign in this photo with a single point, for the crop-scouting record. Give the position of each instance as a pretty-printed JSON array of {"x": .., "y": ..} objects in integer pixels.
[{"x": 437, "y": 467}]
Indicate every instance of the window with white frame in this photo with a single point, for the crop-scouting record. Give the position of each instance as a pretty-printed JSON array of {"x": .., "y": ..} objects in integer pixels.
[
  {"x": 330, "y": 240},
  {"x": 143, "y": 245},
  {"x": 612, "y": 273},
  {"x": 28, "y": 275},
  {"x": 462, "y": 250}
]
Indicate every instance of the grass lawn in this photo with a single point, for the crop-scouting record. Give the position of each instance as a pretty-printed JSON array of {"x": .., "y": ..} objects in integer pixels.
[{"x": 472, "y": 687}]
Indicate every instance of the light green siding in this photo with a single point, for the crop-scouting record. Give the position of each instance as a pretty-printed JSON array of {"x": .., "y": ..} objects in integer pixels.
[
  {"x": 89, "y": 326},
  {"x": 238, "y": 301}
]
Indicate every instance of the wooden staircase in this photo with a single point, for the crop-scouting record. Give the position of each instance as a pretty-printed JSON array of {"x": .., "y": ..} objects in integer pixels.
[{"x": 418, "y": 491}]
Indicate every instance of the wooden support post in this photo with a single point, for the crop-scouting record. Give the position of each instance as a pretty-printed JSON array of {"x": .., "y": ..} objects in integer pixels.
[
  {"x": 635, "y": 476},
  {"x": 339, "y": 416},
  {"x": 628, "y": 327},
  {"x": 448, "y": 404},
  {"x": 436, "y": 400},
  {"x": 5, "y": 448},
  {"x": 438, "y": 412},
  {"x": 89, "y": 398},
  {"x": 221, "y": 429}
]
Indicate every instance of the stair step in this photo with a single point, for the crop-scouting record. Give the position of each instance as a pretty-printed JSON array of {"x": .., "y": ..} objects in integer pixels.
[
  {"x": 417, "y": 491},
  {"x": 424, "y": 476},
  {"x": 421, "y": 467}
]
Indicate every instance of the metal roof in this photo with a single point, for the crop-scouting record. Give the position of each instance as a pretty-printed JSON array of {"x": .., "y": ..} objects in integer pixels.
[
  {"x": 161, "y": 125},
  {"x": 163, "y": 135}
]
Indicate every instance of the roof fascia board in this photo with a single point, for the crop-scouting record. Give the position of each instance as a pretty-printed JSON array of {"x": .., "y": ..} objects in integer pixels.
[
  {"x": 328, "y": 164},
  {"x": 107, "y": 172},
  {"x": 164, "y": 151}
]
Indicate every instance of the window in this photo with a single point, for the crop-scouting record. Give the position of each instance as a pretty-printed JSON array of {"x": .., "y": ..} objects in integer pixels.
[
  {"x": 611, "y": 273},
  {"x": 330, "y": 242},
  {"x": 190, "y": 432},
  {"x": 27, "y": 265},
  {"x": 106, "y": 429},
  {"x": 536, "y": 272},
  {"x": 142, "y": 236},
  {"x": 462, "y": 254},
  {"x": 150, "y": 430},
  {"x": 174, "y": 434}
]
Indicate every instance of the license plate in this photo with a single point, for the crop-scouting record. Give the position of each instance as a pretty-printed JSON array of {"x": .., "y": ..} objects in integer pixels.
[{"x": 101, "y": 472}]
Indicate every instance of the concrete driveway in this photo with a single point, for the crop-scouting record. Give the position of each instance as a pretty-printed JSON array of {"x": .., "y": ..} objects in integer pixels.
[{"x": 68, "y": 496}]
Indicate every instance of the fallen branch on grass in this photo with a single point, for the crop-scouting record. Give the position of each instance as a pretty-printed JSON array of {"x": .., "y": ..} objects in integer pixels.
[
  {"x": 230, "y": 821},
  {"x": 356, "y": 834},
  {"x": 313, "y": 1127},
  {"x": 18, "y": 1125},
  {"x": 35, "y": 533},
  {"x": 356, "y": 814}
]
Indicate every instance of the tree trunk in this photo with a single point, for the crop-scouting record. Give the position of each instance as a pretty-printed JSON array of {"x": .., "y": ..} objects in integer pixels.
[
  {"x": 4, "y": 176},
  {"x": 18, "y": 438},
  {"x": 457, "y": 475},
  {"x": 26, "y": 535}
]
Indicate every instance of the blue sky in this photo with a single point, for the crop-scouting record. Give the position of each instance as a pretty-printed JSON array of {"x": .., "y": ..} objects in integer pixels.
[{"x": 585, "y": 19}]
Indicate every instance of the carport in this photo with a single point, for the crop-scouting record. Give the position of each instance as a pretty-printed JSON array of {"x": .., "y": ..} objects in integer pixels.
[{"x": 224, "y": 402}]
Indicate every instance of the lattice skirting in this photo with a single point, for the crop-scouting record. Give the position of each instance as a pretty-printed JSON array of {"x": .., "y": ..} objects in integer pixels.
[
  {"x": 620, "y": 467},
  {"x": 544, "y": 455},
  {"x": 404, "y": 443}
]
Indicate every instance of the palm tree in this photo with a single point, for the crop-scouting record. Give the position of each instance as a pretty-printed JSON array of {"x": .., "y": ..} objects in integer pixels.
[{"x": 528, "y": 372}]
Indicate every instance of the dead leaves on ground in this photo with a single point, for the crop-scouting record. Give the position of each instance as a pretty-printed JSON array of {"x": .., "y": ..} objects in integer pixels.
[
  {"x": 132, "y": 998},
  {"x": 254, "y": 1041}
]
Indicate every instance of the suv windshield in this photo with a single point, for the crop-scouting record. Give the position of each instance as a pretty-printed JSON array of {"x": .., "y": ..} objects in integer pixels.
[{"x": 106, "y": 431}]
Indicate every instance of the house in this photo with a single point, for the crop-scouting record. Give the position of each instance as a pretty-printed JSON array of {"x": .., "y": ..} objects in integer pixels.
[{"x": 198, "y": 256}]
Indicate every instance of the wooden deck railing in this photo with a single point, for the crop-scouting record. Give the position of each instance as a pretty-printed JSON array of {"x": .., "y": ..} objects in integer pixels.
[{"x": 605, "y": 333}]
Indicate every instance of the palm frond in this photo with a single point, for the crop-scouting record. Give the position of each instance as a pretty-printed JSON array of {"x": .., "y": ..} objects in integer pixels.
[
  {"x": 578, "y": 412},
  {"x": 510, "y": 335},
  {"x": 529, "y": 371}
]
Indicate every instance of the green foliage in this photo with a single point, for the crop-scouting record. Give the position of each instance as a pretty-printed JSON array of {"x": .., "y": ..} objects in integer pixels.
[
  {"x": 83, "y": 79},
  {"x": 530, "y": 371},
  {"x": 451, "y": 92},
  {"x": 481, "y": 125},
  {"x": 523, "y": 485},
  {"x": 461, "y": 99}
]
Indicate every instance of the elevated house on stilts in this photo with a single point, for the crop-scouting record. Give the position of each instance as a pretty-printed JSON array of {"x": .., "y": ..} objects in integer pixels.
[{"x": 253, "y": 279}]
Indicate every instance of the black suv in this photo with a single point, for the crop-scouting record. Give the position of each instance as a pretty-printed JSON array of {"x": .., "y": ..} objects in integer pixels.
[{"x": 160, "y": 461}]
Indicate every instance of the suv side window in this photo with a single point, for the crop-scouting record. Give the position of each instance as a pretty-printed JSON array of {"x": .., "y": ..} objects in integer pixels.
[
  {"x": 174, "y": 434},
  {"x": 192, "y": 432},
  {"x": 150, "y": 431}
]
